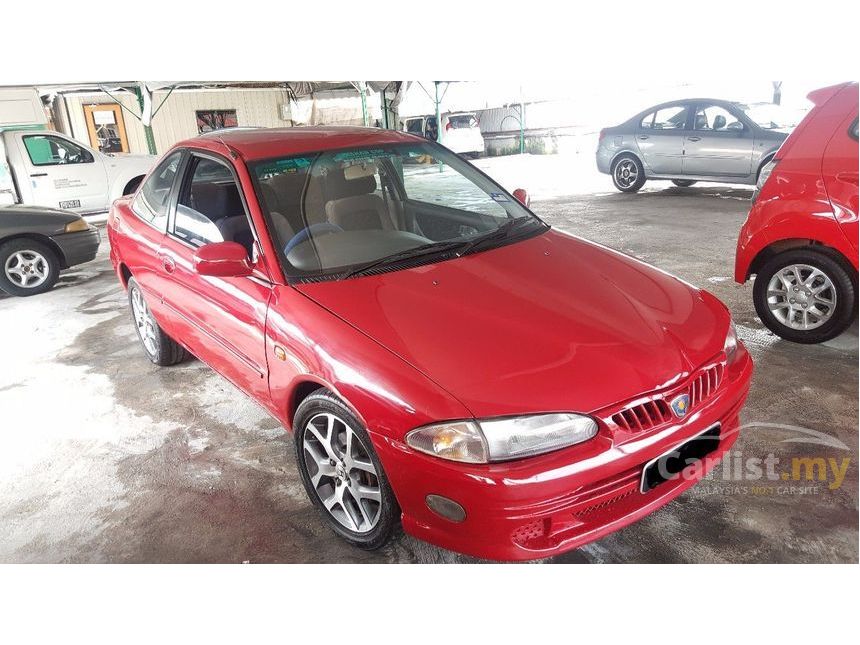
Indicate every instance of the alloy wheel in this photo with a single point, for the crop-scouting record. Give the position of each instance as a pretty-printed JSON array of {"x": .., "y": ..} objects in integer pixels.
[
  {"x": 144, "y": 321},
  {"x": 626, "y": 173},
  {"x": 342, "y": 473},
  {"x": 801, "y": 296},
  {"x": 27, "y": 269}
]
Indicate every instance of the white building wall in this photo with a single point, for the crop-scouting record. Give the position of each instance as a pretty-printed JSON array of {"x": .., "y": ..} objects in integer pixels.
[{"x": 176, "y": 120}]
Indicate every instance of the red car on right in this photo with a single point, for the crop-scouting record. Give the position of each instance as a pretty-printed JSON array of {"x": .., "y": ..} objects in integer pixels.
[{"x": 800, "y": 237}]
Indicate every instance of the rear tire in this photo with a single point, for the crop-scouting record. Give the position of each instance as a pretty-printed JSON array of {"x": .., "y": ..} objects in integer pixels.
[
  {"x": 779, "y": 295},
  {"x": 160, "y": 348},
  {"x": 628, "y": 173},
  {"x": 341, "y": 473},
  {"x": 27, "y": 267},
  {"x": 683, "y": 183}
]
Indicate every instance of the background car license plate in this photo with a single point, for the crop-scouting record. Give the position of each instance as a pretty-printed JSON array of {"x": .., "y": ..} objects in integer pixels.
[
  {"x": 673, "y": 462},
  {"x": 72, "y": 203}
]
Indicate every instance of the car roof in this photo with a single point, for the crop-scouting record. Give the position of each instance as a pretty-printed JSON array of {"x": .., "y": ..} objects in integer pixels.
[
  {"x": 693, "y": 100},
  {"x": 266, "y": 143}
]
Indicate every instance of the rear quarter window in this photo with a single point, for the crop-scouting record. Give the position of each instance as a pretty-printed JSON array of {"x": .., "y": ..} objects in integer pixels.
[{"x": 152, "y": 198}]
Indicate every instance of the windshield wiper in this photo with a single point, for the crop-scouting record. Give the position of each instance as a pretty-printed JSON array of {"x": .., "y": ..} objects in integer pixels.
[
  {"x": 463, "y": 246},
  {"x": 414, "y": 252},
  {"x": 499, "y": 233}
]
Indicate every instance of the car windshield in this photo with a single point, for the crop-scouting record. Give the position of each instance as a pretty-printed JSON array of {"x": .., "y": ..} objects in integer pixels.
[
  {"x": 769, "y": 116},
  {"x": 339, "y": 213}
]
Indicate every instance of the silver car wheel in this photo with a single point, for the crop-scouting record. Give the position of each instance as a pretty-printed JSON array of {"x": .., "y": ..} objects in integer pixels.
[
  {"x": 27, "y": 269},
  {"x": 801, "y": 297},
  {"x": 145, "y": 322},
  {"x": 626, "y": 173},
  {"x": 342, "y": 473}
]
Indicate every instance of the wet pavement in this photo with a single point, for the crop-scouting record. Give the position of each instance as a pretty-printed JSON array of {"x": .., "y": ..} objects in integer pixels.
[{"x": 105, "y": 457}]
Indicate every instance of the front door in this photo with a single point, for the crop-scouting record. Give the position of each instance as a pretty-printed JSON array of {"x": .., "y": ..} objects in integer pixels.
[
  {"x": 719, "y": 144},
  {"x": 106, "y": 127},
  {"x": 660, "y": 137},
  {"x": 63, "y": 174},
  {"x": 221, "y": 320}
]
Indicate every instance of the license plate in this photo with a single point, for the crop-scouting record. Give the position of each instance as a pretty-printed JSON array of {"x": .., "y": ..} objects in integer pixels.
[
  {"x": 670, "y": 463},
  {"x": 72, "y": 203}
]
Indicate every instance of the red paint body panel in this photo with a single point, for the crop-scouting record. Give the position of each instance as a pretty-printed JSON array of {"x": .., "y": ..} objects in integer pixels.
[
  {"x": 550, "y": 323},
  {"x": 553, "y": 323},
  {"x": 811, "y": 194}
]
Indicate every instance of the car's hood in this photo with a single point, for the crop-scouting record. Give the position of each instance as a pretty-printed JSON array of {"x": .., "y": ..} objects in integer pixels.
[
  {"x": 34, "y": 219},
  {"x": 549, "y": 323}
]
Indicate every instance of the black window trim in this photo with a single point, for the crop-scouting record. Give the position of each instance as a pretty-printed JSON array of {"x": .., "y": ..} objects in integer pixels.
[
  {"x": 92, "y": 158},
  {"x": 169, "y": 195},
  {"x": 185, "y": 174}
]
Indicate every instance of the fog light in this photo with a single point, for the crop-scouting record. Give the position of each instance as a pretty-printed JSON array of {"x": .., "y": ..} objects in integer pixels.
[{"x": 447, "y": 508}]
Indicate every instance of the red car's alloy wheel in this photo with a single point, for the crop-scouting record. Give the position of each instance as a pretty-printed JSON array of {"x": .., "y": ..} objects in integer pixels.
[{"x": 342, "y": 472}]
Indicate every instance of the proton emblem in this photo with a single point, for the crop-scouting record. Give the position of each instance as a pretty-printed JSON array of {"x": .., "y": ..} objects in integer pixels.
[{"x": 680, "y": 405}]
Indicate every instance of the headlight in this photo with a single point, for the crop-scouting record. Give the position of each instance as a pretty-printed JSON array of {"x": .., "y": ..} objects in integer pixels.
[
  {"x": 502, "y": 439},
  {"x": 730, "y": 347},
  {"x": 76, "y": 226}
]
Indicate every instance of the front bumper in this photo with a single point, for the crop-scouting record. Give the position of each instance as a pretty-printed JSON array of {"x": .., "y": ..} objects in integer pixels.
[
  {"x": 78, "y": 247},
  {"x": 547, "y": 505}
]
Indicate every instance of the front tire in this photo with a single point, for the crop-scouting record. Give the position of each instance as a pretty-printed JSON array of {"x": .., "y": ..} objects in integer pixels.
[
  {"x": 160, "y": 348},
  {"x": 342, "y": 474},
  {"x": 683, "y": 183},
  {"x": 805, "y": 296},
  {"x": 628, "y": 173},
  {"x": 27, "y": 267}
]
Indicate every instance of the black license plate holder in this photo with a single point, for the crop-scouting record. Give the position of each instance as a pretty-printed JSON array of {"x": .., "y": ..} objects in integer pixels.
[{"x": 672, "y": 462}]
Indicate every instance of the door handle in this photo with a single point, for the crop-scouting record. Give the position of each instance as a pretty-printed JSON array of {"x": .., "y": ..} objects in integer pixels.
[
  {"x": 694, "y": 138},
  {"x": 168, "y": 263},
  {"x": 39, "y": 174},
  {"x": 643, "y": 136}
]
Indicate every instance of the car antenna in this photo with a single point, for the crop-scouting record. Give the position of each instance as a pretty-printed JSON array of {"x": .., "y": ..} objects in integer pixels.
[{"x": 233, "y": 152}]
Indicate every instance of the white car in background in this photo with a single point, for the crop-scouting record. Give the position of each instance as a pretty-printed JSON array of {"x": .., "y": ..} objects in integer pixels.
[
  {"x": 49, "y": 169},
  {"x": 460, "y": 131}
]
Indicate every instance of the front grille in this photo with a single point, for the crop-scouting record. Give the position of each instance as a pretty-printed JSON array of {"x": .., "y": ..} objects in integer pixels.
[
  {"x": 645, "y": 415},
  {"x": 705, "y": 383}
]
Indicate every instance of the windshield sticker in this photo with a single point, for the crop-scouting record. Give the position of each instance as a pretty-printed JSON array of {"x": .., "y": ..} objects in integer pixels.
[
  {"x": 359, "y": 155},
  {"x": 499, "y": 197},
  {"x": 283, "y": 166}
]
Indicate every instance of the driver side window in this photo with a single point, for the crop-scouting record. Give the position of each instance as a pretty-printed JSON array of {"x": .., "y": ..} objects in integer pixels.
[
  {"x": 714, "y": 118},
  {"x": 47, "y": 150}
]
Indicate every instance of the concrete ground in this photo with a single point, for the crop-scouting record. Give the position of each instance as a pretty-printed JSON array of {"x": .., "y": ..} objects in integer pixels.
[{"x": 107, "y": 458}]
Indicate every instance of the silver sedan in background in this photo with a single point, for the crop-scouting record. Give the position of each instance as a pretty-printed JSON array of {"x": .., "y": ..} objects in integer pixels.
[{"x": 688, "y": 141}]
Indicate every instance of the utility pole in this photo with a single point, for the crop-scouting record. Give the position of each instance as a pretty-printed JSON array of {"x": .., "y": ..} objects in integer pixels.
[
  {"x": 777, "y": 92},
  {"x": 522, "y": 122},
  {"x": 438, "y": 115},
  {"x": 147, "y": 128},
  {"x": 362, "y": 89}
]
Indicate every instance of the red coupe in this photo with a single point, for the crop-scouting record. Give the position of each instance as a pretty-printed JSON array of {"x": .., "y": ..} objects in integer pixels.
[
  {"x": 800, "y": 238},
  {"x": 443, "y": 357}
]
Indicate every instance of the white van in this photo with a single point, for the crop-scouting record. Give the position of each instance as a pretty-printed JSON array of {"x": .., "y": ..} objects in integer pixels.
[{"x": 460, "y": 131}]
